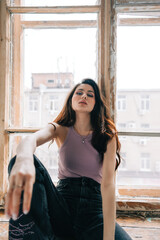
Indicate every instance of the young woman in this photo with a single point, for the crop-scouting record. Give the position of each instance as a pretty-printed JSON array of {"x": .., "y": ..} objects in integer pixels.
[{"x": 82, "y": 205}]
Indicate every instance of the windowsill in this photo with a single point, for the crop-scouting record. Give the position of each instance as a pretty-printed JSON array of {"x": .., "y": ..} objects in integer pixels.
[
  {"x": 138, "y": 206},
  {"x": 139, "y": 191},
  {"x": 124, "y": 204},
  {"x": 137, "y": 199}
]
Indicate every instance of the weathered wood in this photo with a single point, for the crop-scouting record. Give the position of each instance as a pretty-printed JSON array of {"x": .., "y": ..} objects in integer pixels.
[
  {"x": 66, "y": 9},
  {"x": 144, "y": 229},
  {"x": 140, "y": 134},
  {"x": 138, "y": 204},
  {"x": 101, "y": 53},
  {"x": 4, "y": 94},
  {"x": 113, "y": 55},
  {"x": 59, "y": 24},
  {"x": 134, "y": 191},
  {"x": 137, "y": 8},
  {"x": 139, "y": 21},
  {"x": 16, "y": 71},
  {"x": 17, "y": 81},
  {"x": 21, "y": 130},
  {"x": 104, "y": 50},
  {"x": 134, "y": 2}
]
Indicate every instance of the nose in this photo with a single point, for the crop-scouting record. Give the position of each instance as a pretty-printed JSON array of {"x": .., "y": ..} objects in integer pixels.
[{"x": 84, "y": 96}]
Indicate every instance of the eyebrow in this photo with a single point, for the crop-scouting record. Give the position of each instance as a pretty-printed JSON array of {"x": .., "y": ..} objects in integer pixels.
[{"x": 83, "y": 90}]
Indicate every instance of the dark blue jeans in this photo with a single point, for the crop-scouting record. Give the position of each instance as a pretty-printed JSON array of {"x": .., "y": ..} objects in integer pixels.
[{"x": 72, "y": 210}]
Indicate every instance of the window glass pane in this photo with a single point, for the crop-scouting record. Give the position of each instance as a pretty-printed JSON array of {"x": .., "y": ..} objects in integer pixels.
[
  {"x": 48, "y": 154},
  {"x": 138, "y": 74},
  {"x": 46, "y": 3},
  {"x": 60, "y": 17},
  {"x": 140, "y": 161},
  {"x": 138, "y": 167},
  {"x": 53, "y": 60}
]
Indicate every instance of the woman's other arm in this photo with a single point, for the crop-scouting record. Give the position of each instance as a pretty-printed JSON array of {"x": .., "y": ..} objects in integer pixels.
[
  {"x": 23, "y": 171},
  {"x": 108, "y": 191}
]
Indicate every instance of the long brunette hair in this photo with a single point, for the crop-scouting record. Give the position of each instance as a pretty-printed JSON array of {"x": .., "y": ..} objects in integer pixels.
[{"x": 103, "y": 127}]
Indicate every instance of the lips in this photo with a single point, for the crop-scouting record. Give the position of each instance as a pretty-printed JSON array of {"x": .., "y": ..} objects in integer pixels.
[{"x": 83, "y": 102}]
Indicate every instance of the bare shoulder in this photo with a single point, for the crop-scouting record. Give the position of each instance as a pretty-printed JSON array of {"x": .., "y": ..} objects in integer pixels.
[
  {"x": 61, "y": 130},
  {"x": 61, "y": 134},
  {"x": 57, "y": 129}
]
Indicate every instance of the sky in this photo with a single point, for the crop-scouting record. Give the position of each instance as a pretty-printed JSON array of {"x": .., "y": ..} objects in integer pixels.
[
  {"x": 138, "y": 57},
  {"x": 75, "y": 50},
  {"x": 60, "y": 50},
  {"x": 57, "y": 2}
]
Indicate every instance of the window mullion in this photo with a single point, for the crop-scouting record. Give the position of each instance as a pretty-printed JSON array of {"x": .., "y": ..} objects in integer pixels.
[
  {"x": 59, "y": 24},
  {"x": 139, "y": 134},
  {"x": 4, "y": 93},
  {"x": 64, "y": 9}
]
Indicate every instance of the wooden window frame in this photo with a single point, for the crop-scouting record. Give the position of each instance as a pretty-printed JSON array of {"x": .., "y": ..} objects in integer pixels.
[
  {"x": 135, "y": 198},
  {"x": 5, "y": 67},
  {"x": 108, "y": 11}
]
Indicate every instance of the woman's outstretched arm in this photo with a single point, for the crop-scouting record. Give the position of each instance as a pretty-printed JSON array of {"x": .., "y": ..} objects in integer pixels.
[
  {"x": 23, "y": 171},
  {"x": 108, "y": 191}
]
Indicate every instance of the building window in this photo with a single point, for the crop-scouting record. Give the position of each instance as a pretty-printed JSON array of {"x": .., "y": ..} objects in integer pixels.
[
  {"x": 53, "y": 106},
  {"x": 33, "y": 105},
  {"x": 56, "y": 106},
  {"x": 145, "y": 162},
  {"x": 131, "y": 125},
  {"x": 53, "y": 97},
  {"x": 143, "y": 141},
  {"x": 121, "y": 105},
  {"x": 121, "y": 125},
  {"x": 145, "y": 125},
  {"x": 145, "y": 102},
  {"x": 50, "y": 81},
  {"x": 59, "y": 82},
  {"x": 67, "y": 81}
]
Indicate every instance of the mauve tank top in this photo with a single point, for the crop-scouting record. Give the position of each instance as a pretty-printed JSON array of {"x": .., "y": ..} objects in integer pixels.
[{"x": 78, "y": 159}]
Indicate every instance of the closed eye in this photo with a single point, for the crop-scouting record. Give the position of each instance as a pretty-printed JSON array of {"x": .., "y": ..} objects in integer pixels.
[
  {"x": 79, "y": 93},
  {"x": 90, "y": 95}
]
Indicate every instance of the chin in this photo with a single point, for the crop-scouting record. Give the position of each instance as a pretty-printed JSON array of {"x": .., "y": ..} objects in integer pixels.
[{"x": 82, "y": 111}]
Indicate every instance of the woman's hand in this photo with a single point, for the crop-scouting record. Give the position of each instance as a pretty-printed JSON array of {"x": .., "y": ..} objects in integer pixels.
[{"x": 22, "y": 178}]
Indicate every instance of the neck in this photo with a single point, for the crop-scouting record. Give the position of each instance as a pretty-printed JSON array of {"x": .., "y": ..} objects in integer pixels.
[{"x": 83, "y": 123}]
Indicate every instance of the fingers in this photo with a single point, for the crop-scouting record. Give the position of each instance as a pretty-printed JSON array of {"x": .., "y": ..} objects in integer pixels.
[
  {"x": 27, "y": 195},
  {"x": 16, "y": 194},
  {"x": 8, "y": 199},
  {"x": 17, "y": 184}
]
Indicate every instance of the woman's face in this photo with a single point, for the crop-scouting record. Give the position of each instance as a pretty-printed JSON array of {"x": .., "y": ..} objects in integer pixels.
[{"x": 83, "y": 99}]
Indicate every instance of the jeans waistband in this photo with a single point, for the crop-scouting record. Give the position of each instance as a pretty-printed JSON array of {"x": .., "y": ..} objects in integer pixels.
[{"x": 80, "y": 181}]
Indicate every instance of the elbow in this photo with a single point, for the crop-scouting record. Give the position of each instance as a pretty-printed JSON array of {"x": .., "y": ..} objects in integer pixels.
[{"x": 105, "y": 187}]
